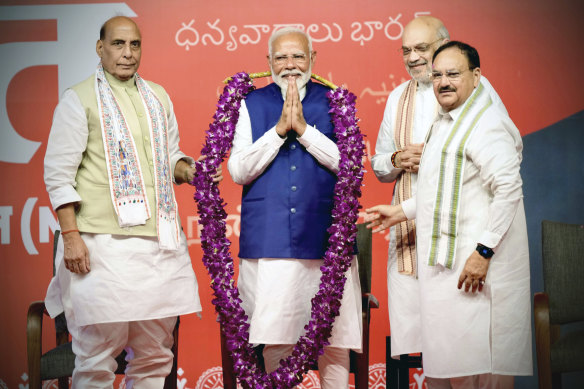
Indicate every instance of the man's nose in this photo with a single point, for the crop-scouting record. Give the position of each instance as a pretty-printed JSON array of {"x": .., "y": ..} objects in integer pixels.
[
  {"x": 413, "y": 56},
  {"x": 127, "y": 51},
  {"x": 444, "y": 80},
  {"x": 290, "y": 64}
]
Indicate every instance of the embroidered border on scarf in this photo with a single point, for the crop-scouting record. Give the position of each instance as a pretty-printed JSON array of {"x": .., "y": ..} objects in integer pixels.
[{"x": 165, "y": 201}]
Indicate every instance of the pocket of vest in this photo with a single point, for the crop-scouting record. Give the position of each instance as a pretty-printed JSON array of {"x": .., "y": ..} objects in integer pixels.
[{"x": 253, "y": 200}]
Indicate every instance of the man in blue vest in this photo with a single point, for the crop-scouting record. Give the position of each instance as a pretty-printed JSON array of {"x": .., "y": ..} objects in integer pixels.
[{"x": 285, "y": 156}]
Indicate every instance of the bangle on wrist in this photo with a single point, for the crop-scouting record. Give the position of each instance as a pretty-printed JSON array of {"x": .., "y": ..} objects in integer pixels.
[
  {"x": 68, "y": 231},
  {"x": 393, "y": 158}
]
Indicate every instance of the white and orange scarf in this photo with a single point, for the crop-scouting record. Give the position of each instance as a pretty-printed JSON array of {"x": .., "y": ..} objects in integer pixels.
[{"x": 405, "y": 232}]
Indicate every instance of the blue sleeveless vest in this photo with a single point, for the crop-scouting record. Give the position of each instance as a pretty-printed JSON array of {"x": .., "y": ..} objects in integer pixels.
[{"x": 286, "y": 211}]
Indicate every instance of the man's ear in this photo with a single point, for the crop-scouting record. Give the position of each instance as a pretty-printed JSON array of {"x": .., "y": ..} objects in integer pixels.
[
  {"x": 99, "y": 47},
  {"x": 476, "y": 73}
]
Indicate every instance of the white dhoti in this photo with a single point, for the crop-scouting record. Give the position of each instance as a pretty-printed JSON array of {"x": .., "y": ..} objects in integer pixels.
[
  {"x": 130, "y": 299},
  {"x": 147, "y": 344},
  {"x": 403, "y": 300},
  {"x": 277, "y": 295}
]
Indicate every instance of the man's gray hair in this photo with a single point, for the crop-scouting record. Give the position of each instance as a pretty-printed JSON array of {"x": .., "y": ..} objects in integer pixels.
[
  {"x": 289, "y": 30},
  {"x": 442, "y": 33}
]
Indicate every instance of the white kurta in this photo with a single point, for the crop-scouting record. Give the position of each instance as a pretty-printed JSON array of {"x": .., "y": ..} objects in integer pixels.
[
  {"x": 403, "y": 290},
  {"x": 276, "y": 293},
  {"x": 489, "y": 331},
  {"x": 130, "y": 277}
]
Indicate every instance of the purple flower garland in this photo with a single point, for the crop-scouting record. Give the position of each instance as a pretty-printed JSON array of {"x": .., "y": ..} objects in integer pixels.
[{"x": 217, "y": 258}]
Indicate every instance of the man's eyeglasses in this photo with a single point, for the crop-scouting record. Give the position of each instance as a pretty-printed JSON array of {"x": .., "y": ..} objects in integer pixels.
[
  {"x": 422, "y": 48},
  {"x": 298, "y": 59},
  {"x": 452, "y": 75}
]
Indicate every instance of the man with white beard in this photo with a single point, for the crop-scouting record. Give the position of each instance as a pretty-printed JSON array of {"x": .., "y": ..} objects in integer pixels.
[{"x": 285, "y": 156}]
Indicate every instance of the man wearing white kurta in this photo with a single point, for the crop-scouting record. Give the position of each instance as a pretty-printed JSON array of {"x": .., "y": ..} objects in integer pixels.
[
  {"x": 123, "y": 271},
  {"x": 421, "y": 37},
  {"x": 284, "y": 155},
  {"x": 474, "y": 305}
]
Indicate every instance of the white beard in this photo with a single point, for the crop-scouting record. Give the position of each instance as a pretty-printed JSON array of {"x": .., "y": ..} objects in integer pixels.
[{"x": 282, "y": 82}]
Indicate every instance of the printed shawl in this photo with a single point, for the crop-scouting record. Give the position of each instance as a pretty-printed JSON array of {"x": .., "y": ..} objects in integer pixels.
[
  {"x": 447, "y": 202},
  {"x": 126, "y": 181},
  {"x": 405, "y": 232}
]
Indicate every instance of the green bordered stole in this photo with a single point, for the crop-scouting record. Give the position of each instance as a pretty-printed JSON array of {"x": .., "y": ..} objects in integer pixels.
[{"x": 452, "y": 161}]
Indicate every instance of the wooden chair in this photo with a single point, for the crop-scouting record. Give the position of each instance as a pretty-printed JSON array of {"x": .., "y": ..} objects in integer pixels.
[
  {"x": 59, "y": 362},
  {"x": 397, "y": 371},
  {"x": 359, "y": 362},
  {"x": 562, "y": 302}
]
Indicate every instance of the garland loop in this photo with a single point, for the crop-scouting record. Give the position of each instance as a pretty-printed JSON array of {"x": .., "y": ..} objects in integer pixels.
[{"x": 337, "y": 260}]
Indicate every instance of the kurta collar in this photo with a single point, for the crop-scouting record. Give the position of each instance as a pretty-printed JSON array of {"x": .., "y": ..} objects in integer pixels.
[
  {"x": 424, "y": 86},
  {"x": 115, "y": 83}
]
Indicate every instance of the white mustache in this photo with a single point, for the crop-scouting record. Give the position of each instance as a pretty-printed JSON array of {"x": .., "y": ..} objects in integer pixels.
[
  {"x": 291, "y": 73},
  {"x": 417, "y": 63}
]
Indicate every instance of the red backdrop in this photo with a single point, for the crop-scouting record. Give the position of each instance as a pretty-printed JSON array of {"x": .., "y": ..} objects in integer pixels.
[{"x": 530, "y": 52}]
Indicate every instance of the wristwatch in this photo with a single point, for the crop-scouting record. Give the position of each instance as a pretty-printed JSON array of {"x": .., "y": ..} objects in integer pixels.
[{"x": 484, "y": 251}]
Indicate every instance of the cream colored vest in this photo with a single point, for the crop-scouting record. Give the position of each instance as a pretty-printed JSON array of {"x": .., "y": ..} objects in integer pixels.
[{"x": 96, "y": 212}]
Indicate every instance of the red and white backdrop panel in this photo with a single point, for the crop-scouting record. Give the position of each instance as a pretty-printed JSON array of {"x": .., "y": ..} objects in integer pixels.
[{"x": 530, "y": 52}]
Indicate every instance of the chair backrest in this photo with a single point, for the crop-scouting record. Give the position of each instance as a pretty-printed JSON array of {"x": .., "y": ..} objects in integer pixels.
[
  {"x": 563, "y": 270},
  {"x": 60, "y": 321},
  {"x": 55, "y": 244},
  {"x": 364, "y": 244}
]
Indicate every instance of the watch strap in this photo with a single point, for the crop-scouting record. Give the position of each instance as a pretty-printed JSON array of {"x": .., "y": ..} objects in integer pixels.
[{"x": 484, "y": 251}]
